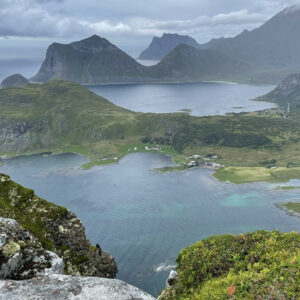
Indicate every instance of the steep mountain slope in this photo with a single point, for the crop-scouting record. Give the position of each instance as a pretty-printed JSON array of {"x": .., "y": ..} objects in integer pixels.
[
  {"x": 276, "y": 43},
  {"x": 90, "y": 61},
  {"x": 160, "y": 47},
  {"x": 186, "y": 63}
]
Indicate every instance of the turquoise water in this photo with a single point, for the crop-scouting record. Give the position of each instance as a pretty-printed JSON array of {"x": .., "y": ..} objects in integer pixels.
[
  {"x": 204, "y": 98},
  {"x": 144, "y": 219}
]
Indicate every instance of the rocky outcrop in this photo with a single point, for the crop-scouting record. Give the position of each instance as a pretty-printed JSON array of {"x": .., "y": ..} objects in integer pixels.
[
  {"x": 14, "y": 136},
  {"x": 22, "y": 255},
  {"x": 37, "y": 273},
  {"x": 57, "y": 230},
  {"x": 287, "y": 91},
  {"x": 290, "y": 86},
  {"x": 16, "y": 80},
  {"x": 57, "y": 287},
  {"x": 160, "y": 47}
]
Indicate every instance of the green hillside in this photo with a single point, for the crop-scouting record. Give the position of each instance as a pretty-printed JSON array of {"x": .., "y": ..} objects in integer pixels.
[
  {"x": 258, "y": 265},
  {"x": 60, "y": 116}
]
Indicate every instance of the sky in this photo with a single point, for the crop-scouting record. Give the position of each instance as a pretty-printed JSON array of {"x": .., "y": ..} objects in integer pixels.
[{"x": 129, "y": 24}]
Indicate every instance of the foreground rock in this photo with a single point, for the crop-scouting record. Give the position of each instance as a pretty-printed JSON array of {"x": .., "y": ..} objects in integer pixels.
[
  {"x": 16, "y": 80},
  {"x": 58, "y": 287},
  {"x": 22, "y": 255},
  {"x": 54, "y": 228}
]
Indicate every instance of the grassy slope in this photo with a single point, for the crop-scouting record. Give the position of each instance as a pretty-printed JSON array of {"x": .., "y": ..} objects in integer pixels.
[
  {"x": 66, "y": 117},
  {"x": 258, "y": 265}
]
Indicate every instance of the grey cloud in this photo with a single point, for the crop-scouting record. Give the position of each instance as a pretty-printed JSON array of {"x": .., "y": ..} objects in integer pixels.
[{"x": 74, "y": 18}]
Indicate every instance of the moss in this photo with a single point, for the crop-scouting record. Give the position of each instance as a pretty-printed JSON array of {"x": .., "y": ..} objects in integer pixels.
[
  {"x": 10, "y": 248},
  {"x": 257, "y": 265},
  {"x": 79, "y": 259},
  {"x": 93, "y": 248}
]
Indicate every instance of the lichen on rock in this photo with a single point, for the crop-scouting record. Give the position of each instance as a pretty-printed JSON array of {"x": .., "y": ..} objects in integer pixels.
[{"x": 22, "y": 255}]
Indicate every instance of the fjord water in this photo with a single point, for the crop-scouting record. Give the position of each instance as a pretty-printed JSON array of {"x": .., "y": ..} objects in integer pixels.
[
  {"x": 201, "y": 99},
  {"x": 144, "y": 219}
]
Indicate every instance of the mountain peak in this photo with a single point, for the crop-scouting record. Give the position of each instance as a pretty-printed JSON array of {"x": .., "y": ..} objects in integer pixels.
[
  {"x": 93, "y": 44},
  {"x": 161, "y": 46},
  {"x": 291, "y": 10}
]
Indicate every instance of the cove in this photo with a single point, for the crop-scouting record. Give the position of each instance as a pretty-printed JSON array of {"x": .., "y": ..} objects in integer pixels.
[{"x": 143, "y": 218}]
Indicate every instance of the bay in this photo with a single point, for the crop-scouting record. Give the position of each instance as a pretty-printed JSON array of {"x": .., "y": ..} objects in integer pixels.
[{"x": 143, "y": 218}]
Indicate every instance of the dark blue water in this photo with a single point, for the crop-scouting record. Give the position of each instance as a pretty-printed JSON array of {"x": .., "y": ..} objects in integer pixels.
[
  {"x": 204, "y": 98},
  {"x": 144, "y": 219}
]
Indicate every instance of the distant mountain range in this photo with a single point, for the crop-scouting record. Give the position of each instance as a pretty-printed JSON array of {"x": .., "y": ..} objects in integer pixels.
[
  {"x": 276, "y": 43},
  {"x": 264, "y": 55},
  {"x": 160, "y": 47},
  {"x": 95, "y": 60}
]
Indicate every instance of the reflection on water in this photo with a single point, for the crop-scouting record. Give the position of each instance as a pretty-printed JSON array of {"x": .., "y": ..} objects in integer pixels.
[{"x": 144, "y": 219}]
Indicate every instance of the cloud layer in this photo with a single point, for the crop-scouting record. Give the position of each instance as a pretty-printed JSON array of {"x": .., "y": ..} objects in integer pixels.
[{"x": 72, "y": 18}]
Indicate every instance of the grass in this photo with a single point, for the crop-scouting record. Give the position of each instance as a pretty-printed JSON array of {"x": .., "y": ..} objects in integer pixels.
[
  {"x": 240, "y": 175},
  {"x": 257, "y": 265}
]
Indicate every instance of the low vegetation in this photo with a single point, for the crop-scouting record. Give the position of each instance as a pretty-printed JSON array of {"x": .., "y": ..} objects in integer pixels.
[
  {"x": 257, "y": 265},
  {"x": 245, "y": 174}
]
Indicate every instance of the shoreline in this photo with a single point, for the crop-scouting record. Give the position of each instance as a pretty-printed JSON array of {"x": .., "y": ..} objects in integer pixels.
[{"x": 290, "y": 212}]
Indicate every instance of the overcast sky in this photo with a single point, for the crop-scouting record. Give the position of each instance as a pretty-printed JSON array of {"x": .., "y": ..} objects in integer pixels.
[{"x": 130, "y": 24}]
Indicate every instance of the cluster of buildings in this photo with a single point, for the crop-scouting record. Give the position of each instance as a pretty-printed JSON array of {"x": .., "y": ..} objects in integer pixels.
[{"x": 194, "y": 162}]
